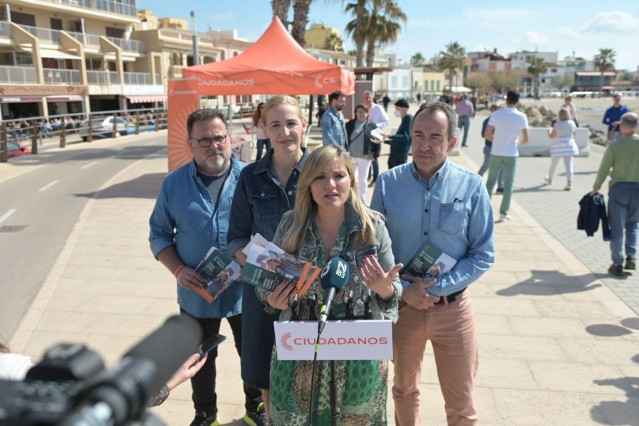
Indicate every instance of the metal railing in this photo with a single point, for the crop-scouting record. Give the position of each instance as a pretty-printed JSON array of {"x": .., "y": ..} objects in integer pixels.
[
  {"x": 86, "y": 39},
  {"x": 17, "y": 75},
  {"x": 102, "y": 77},
  {"x": 5, "y": 29},
  {"x": 116, "y": 7},
  {"x": 43, "y": 34},
  {"x": 129, "y": 45},
  {"x": 137, "y": 78},
  {"x": 61, "y": 76}
]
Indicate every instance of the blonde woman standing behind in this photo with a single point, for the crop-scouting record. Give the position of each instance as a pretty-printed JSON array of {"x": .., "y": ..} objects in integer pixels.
[{"x": 563, "y": 146}]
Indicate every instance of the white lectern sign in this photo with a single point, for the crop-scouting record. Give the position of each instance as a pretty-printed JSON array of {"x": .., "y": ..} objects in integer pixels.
[{"x": 340, "y": 340}]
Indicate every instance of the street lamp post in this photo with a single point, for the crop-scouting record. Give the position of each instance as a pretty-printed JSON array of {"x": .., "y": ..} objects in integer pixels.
[{"x": 196, "y": 50}]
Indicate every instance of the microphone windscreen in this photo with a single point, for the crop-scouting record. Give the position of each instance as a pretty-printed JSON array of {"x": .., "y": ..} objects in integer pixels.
[
  {"x": 169, "y": 346},
  {"x": 335, "y": 274}
]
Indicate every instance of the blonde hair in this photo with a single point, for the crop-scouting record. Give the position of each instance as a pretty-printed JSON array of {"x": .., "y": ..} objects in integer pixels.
[
  {"x": 563, "y": 114},
  {"x": 306, "y": 207},
  {"x": 282, "y": 100}
]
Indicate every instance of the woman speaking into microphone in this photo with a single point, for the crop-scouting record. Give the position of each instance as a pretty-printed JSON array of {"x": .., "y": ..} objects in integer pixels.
[{"x": 330, "y": 220}]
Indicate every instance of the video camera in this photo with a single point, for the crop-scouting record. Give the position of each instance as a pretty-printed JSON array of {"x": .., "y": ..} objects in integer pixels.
[{"x": 70, "y": 386}]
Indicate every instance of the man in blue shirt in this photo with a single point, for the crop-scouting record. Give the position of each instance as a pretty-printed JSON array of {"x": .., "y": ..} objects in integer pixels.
[
  {"x": 333, "y": 128},
  {"x": 612, "y": 118},
  {"x": 435, "y": 201},
  {"x": 191, "y": 214}
]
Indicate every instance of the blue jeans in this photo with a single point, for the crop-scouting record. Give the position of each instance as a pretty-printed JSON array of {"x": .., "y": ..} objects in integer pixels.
[
  {"x": 623, "y": 213},
  {"x": 484, "y": 167},
  {"x": 508, "y": 165},
  {"x": 464, "y": 123}
]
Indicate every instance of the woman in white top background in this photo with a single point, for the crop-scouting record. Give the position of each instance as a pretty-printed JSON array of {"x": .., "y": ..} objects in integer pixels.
[{"x": 563, "y": 146}]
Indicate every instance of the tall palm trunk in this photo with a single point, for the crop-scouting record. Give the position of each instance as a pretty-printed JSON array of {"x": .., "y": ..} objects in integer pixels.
[
  {"x": 300, "y": 20},
  {"x": 280, "y": 9}
]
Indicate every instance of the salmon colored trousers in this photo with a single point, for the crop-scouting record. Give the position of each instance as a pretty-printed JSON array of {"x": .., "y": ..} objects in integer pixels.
[{"x": 451, "y": 331}]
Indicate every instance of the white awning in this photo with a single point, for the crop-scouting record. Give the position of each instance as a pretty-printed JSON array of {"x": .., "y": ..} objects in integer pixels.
[
  {"x": 71, "y": 98},
  {"x": 20, "y": 99},
  {"x": 55, "y": 54},
  {"x": 143, "y": 99}
]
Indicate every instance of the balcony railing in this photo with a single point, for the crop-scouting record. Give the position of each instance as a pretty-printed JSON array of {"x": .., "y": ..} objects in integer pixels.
[
  {"x": 102, "y": 77},
  {"x": 129, "y": 45},
  {"x": 106, "y": 5},
  {"x": 44, "y": 34},
  {"x": 61, "y": 76},
  {"x": 17, "y": 75},
  {"x": 86, "y": 39},
  {"x": 5, "y": 29},
  {"x": 137, "y": 78},
  {"x": 116, "y": 7}
]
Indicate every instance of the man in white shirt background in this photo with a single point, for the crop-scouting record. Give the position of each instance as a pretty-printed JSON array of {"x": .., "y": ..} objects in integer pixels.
[{"x": 377, "y": 115}]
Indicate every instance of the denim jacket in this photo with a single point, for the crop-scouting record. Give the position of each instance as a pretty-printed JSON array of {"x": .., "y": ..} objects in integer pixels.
[
  {"x": 381, "y": 248},
  {"x": 260, "y": 201},
  {"x": 333, "y": 129},
  {"x": 186, "y": 217}
]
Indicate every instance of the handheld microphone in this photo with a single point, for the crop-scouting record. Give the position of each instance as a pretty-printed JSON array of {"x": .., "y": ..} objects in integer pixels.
[
  {"x": 334, "y": 277},
  {"x": 311, "y": 303},
  {"x": 293, "y": 303},
  {"x": 121, "y": 394},
  {"x": 367, "y": 296},
  {"x": 348, "y": 301}
]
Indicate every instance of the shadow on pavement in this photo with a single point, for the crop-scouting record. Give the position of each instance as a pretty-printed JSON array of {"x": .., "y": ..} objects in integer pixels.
[
  {"x": 617, "y": 412},
  {"x": 145, "y": 186},
  {"x": 550, "y": 283}
]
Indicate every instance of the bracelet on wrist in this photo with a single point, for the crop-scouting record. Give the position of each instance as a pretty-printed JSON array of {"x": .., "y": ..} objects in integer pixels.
[{"x": 178, "y": 269}]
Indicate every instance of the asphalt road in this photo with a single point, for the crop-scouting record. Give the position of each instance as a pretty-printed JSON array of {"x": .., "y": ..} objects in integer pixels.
[{"x": 40, "y": 206}]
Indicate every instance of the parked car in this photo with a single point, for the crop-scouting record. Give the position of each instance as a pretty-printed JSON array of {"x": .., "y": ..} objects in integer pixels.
[
  {"x": 104, "y": 128},
  {"x": 16, "y": 149}
]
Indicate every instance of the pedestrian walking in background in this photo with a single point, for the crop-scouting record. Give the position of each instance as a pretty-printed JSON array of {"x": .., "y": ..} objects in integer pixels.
[
  {"x": 386, "y": 100},
  {"x": 612, "y": 118},
  {"x": 563, "y": 146},
  {"x": 488, "y": 144},
  {"x": 623, "y": 196},
  {"x": 377, "y": 115},
  {"x": 360, "y": 147},
  {"x": 333, "y": 130},
  {"x": 571, "y": 108},
  {"x": 262, "y": 141},
  {"x": 507, "y": 128},
  {"x": 465, "y": 111},
  {"x": 400, "y": 141}
]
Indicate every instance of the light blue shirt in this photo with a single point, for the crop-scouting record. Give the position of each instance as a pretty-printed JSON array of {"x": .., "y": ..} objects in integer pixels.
[
  {"x": 186, "y": 217},
  {"x": 451, "y": 211},
  {"x": 333, "y": 128}
]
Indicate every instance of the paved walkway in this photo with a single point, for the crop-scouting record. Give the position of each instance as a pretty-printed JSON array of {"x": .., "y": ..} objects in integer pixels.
[{"x": 557, "y": 346}]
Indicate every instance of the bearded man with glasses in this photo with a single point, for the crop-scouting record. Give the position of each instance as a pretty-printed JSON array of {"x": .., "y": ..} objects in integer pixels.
[{"x": 191, "y": 214}]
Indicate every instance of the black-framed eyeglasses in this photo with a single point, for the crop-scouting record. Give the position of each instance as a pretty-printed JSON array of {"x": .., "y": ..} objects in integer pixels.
[{"x": 206, "y": 142}]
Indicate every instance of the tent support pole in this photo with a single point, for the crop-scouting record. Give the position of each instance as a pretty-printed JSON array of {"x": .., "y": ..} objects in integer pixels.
[{"x": 310, "y": 110}]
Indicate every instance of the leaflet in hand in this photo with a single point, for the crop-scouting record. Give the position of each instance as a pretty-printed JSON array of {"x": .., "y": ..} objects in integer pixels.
[
  {"x": 429, "y": 262},
  {"x": 268, "y": 267},
  {"x": 377, "y": 134},
  {"x": 219, "y": 271}
]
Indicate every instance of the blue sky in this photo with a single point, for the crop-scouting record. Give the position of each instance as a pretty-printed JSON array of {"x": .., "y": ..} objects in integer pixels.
[{"x": 582, "y": 27}]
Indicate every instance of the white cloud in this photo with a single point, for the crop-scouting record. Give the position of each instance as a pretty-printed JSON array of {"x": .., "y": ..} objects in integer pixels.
[
  {"x": 533, "y": 37},
  {"x": 614, "y": 21},
  {"x": 568, "y": 33}
]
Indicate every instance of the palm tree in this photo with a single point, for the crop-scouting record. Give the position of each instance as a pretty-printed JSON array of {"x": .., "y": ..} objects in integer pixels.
[
  {"x": 452, "y": 59},
  {"x": 417, "y": 58},
  {"x": 280, "y": 9},
  {"x": 300, "y": 20},
  {"x": 333, "y": 42},
  {"x": 536, "y": 69},
  {"x": 383, "y": 26},
  {"x": 375, "y": 24},
  {"x": 604, "y": 61},
  {"x": 357, "y": 27}
]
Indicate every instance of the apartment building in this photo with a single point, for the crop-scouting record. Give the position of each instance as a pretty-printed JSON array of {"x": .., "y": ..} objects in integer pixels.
[{"x": 74, "y": 56}]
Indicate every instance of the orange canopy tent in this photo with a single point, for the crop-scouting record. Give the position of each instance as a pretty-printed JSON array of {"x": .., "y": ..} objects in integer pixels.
[{"x": 275, "y": 64}]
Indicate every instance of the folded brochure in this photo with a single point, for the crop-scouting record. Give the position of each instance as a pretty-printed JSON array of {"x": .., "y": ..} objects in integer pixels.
[
  {"x": 219, "y": 271},
  {"x": 268, "y": 267},
  {"x": 429, "y": 262}
]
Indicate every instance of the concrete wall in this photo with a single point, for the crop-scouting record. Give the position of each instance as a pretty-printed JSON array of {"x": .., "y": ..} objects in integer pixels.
[{"x": 539, "y": 143}]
